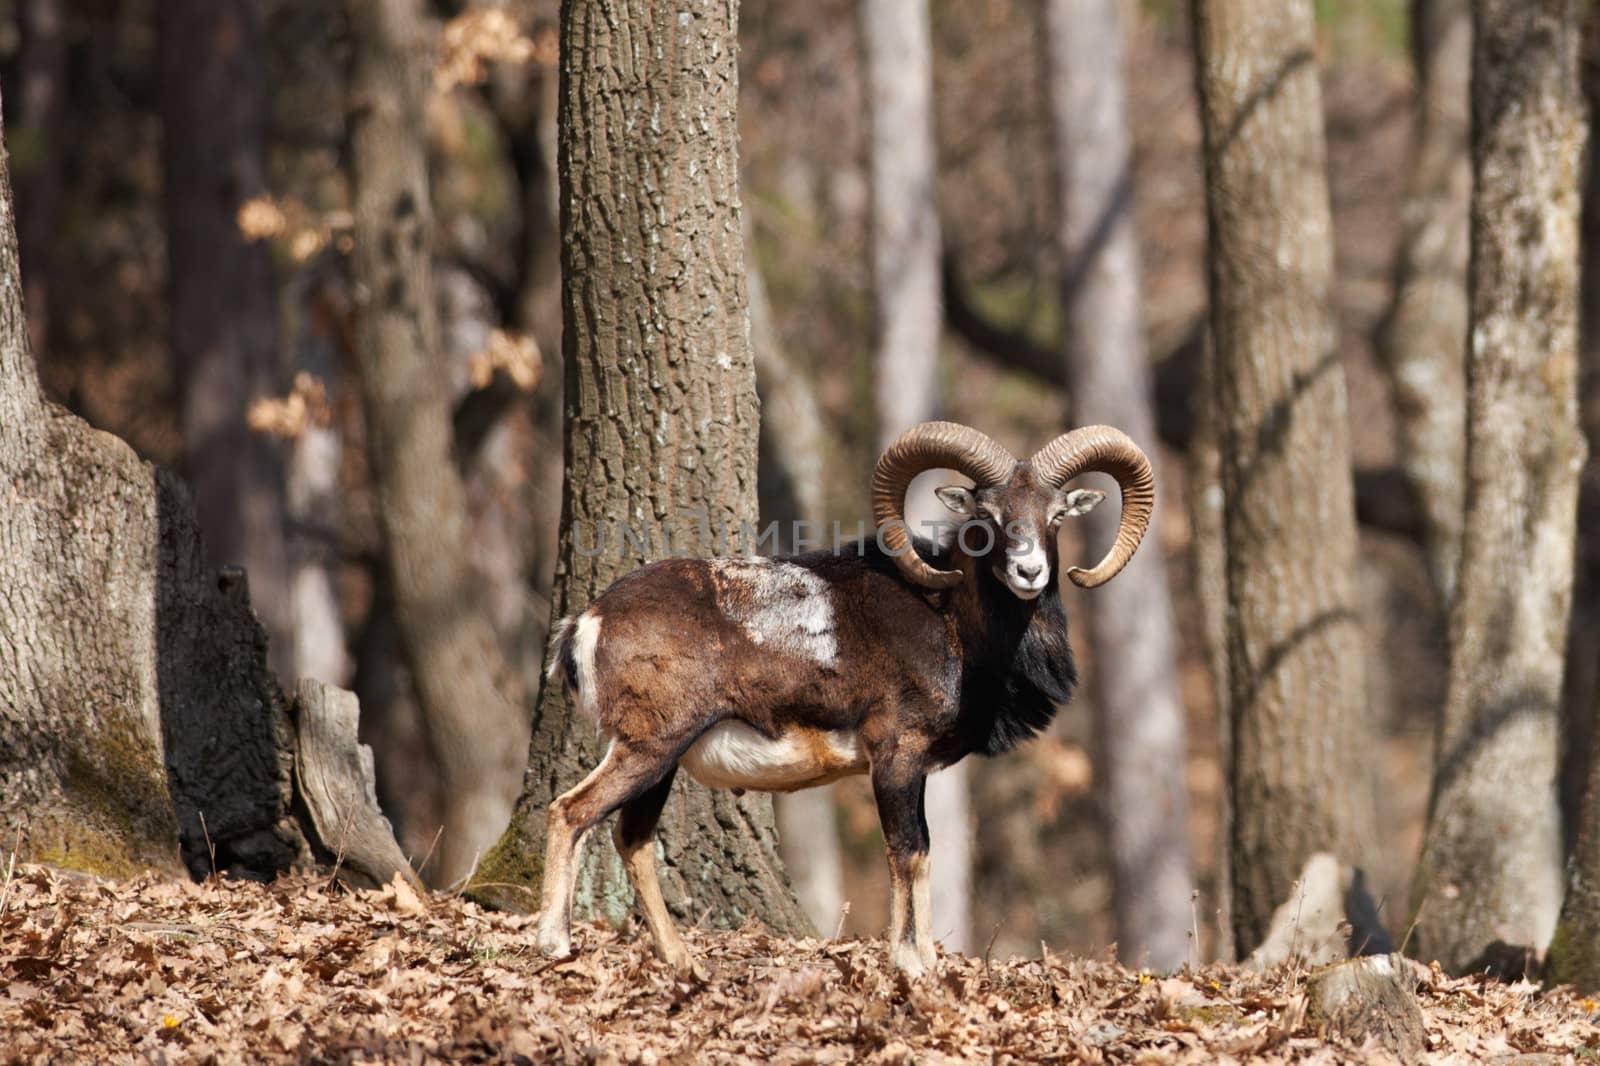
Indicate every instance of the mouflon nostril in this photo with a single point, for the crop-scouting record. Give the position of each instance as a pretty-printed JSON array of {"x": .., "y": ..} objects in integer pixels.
[{"x": 1028, "y": 573}]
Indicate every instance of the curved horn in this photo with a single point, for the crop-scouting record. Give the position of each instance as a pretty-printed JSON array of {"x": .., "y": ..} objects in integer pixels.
[
  {"x": 924, "y": 447},
  {"x": 1113, "y": 452}
]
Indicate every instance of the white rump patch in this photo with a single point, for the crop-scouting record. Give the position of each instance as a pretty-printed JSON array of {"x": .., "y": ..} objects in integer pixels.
[
  {"x": 782, "y": 606},
  {"x": 583, "y": 644},
  {"x": 553, "y": 671},
  {"x": 734, "y": 754}
]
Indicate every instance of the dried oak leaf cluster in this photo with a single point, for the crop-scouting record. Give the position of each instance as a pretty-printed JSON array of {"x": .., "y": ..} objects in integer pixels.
[{"x": 153, "y": 970}]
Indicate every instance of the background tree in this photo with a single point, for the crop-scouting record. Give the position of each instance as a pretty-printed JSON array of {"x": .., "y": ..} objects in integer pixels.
[
  {"x": 1424, "y": 342},
  {"x": 223, "y": 323},
  {"x": 790, "y": 481},
  {"x": 37, "y": 123},
  {"x": 904, "y": 247},
  {"x": 1297, "y": 779},
  {"x": 661, "y": 412},
  {"x": 470, "y": 698},
  {"x": 1139, "y": 726},
  {"x": 1491, "y": 865},
  {"x": 1582, "y": 683},
  {"x": 1573, "y": 957}
]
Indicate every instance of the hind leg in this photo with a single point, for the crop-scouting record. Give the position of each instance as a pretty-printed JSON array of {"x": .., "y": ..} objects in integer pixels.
[
  {"x": 635, "y": 828},
  {"x": 622, "y": 775}
]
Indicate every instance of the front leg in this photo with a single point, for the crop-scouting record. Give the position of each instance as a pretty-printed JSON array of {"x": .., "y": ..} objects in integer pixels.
[{"x": 897, "y": 786}]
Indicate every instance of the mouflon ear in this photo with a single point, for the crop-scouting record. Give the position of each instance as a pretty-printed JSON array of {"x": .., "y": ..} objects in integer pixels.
[
  {"x": 958, "y": 499},
  {"x": 1082, "y": 501}
]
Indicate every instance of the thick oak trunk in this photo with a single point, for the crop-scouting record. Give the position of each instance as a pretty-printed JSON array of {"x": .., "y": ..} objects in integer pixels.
[
  {"x": 661, "y": 414},
  {"x": 139, "y": 726},
  {"x": 1491, "y": 865},
  {"x": 224, "y": 328},
  {"x": 1297, "y": 780},
  {"x": 1138, "y": 719},
  {"x": 471, "y": 702},
  {"x": 1425, "y": 341}
]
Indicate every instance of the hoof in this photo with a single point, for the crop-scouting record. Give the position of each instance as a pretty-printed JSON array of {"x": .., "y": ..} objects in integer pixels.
[
  {"x": 555, "y": 944},
  {"x": 904, "y": 957},
  {"x": 683, "y": 964}
]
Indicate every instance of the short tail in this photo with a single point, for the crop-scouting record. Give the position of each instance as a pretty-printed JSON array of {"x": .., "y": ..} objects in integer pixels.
[{"x": 562, "y": 662}]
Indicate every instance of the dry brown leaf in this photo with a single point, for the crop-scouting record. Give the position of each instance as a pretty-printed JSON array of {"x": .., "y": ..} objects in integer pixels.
[
  {"x": 287, "y": 418},
  {"x": 403, "y": 897},
  {"x": 515, "y": 353},
  {"x": 289, "y": 969},
  {"x": 474, "y": 39}
]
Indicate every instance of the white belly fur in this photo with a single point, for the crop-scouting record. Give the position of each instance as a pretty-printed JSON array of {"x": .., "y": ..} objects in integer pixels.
[{"x": 733, "y": 754}]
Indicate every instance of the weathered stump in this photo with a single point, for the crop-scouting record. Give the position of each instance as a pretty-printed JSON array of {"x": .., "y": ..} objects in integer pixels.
[
  {"x": 335, "y": 775},
  {"x": 1370, "y": 998}
]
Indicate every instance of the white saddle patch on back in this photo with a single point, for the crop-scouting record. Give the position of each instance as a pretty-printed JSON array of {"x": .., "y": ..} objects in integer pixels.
[
  {"x": 778, "y": 605},
  {"x": 734, "y": 754}
]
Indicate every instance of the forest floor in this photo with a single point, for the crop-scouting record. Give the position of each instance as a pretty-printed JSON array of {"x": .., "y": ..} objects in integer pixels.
[{"x": 302, "y": 970}]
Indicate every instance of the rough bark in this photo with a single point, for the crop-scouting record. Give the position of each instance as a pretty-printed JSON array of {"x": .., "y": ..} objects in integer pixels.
[
  {"x": 1425, "y": 340},
  {"x": 903, "y": 241},
  {"x": 789, "y": 490},
  {"x": 1370, "y": 1001},
  {"x": 224, "y": 331},
  {"x": 139, "y": 726},
  {"x": 1491, "y": 865},
  {"x": 1138, "y": 719},
  {"x": 661, "y": 414},
  {"x": 334, "y": 774},
  {"x": 471, "y": 703},
  {"x": 1297, "y": 780}
]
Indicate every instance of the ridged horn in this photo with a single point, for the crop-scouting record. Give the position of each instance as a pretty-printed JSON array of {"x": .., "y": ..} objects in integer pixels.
[
  {"x": 1109, "y": 451},
  {"x": 925, "y": 447}
]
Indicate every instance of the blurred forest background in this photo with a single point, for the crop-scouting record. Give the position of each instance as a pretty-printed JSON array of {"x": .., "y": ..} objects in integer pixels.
[{"x": 119, "y": 114}]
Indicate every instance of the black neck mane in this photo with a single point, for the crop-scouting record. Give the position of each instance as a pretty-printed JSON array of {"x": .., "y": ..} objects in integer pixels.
[
  {"x": 1019, "y": 668},
  {"x": 1018, "y": 664}
]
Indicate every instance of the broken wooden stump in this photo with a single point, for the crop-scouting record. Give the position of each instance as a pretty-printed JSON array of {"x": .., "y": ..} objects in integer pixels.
[
  {"x": 335, "y": 774},
  {"x": 1369, "y": 998}
]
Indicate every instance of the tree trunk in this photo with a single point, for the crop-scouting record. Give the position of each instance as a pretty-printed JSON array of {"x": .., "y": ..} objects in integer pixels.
[
  {"x": 139, "y": 726},
  {"x": 471, "y": 705},
  {"x": 661, "y": 418},
  {"x": 789, "y": 476},
  {"x": 314, "y": 498},
  {"x": 1492, "y": 858},
  {"x": 904, "y": 246},
  {"x": 1298, "y": 726},
  {"x": 42, "y": 69},
  {"x": 1582, "y": 686},
  {"x": 224, "y": 305},
  {"x": 1138, "y": 719},
  {"x": 1574, "y": 955},
  {"x": 1424, "y": 344},
  {"x": 1209, "y": 559},
  {"x": 904, "y": 237}
]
